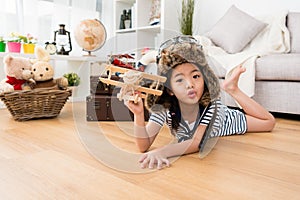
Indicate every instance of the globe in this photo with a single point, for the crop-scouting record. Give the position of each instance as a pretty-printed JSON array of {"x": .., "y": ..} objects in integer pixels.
[{"x": 90, "y": 34}]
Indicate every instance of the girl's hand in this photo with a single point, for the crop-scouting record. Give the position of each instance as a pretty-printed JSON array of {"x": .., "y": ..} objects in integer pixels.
[
  {"x": 152, "y": 158},
  {"x": 135, "y": 108}
]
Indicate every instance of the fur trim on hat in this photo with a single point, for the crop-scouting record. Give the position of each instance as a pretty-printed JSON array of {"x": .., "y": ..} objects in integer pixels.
[{"x": 180, "y": 53}]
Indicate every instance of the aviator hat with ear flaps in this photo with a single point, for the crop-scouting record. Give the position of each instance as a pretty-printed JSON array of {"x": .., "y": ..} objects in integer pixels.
[{"x": 179, "y": 50}]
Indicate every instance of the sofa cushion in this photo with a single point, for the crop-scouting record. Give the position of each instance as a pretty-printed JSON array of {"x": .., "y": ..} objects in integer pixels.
[
  {"x": 235, "y": 30},
  {"x": 278, "y": 67},
  {"x": 293, "y": 24}
]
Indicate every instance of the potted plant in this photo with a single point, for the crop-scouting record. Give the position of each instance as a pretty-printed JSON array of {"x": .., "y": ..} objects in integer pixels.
[
  {"x": 73, "y": 79},
  {"x": 14, "y": 43},
  {"x": 2, "y": 44},
  {"x": 28, "y": 43},
  {"x": 186, "y": 18}
]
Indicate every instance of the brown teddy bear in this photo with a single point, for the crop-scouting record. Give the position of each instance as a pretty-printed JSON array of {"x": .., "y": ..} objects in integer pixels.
[
  {"x": 43, "y": 72},
  {"x": 18, "y": 74}
]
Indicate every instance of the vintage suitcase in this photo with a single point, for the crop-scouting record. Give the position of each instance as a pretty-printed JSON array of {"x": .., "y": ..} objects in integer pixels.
[
  {"x": 108, "y": 108},
  {"x": 97, "y": 87}
]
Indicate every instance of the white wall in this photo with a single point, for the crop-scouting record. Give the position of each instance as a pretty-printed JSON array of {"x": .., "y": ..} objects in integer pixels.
[
  {"x": 108, "y": 22},
  {"x": 208, "y": 12}
]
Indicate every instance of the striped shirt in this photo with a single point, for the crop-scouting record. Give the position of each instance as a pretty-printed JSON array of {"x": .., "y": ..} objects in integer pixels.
[{"x": 226, "y": 122}]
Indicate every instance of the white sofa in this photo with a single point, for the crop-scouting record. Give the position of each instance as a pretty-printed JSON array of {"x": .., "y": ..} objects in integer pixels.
[{"x": 277, "y": 76}]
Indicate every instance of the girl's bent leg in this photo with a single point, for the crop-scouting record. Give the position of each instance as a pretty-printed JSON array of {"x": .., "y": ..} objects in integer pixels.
[{"x": 258, "y": 118}]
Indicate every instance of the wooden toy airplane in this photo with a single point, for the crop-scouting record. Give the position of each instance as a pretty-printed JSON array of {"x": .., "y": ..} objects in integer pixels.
[{"x": 131, "y": 88}]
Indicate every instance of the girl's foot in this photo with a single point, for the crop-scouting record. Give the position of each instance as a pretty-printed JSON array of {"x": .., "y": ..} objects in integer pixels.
[{"x": 231, "y": 83}]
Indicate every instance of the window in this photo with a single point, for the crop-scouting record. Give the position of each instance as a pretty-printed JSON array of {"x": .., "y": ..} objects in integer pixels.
[{"x": 41, "y": 18}]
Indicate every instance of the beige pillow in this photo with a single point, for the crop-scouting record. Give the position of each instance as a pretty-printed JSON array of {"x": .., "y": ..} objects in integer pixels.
[{"x": 235, "y": 30}]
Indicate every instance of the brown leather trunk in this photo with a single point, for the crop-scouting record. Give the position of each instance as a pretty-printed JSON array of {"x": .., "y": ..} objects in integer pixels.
[
  {"x": 106, "y": 108},
  {"x": 103, "y": 105},
  {"x": 97, "y": 87}
]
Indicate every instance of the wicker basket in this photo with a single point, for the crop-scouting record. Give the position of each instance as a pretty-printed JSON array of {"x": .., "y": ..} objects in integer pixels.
[{"x": 37, "y": 103}]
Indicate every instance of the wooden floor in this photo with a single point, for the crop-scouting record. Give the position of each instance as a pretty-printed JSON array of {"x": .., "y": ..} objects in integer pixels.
[{"x": 70, "y": 158}]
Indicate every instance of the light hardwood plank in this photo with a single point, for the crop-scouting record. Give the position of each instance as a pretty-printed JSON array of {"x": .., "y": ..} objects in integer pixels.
[
  {"x": 51, "y": 175},
  {"x": 70, "y": 158}
]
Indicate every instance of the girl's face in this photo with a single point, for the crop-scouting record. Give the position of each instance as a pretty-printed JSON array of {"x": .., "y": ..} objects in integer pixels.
[{"x": 187, "y": 83}]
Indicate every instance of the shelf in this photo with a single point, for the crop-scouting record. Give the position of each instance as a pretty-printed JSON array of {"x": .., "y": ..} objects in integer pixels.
[
  {"x": 126, "y": 1},
  {"x": 77, "y": 58},
  {"x": 143, "y": 34},
  {"x": 154, "y": 28},
  {"x": 57, "y": 57},
  {"x": 128, "y": 30}
]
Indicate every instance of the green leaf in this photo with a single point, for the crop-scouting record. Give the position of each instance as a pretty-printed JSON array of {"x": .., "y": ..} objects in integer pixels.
[
  {"x": 73, "y": 79},
  {"x": 186, "y": 18}
]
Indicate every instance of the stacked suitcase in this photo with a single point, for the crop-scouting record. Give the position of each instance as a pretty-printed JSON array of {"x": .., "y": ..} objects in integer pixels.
[{"x": 103, "y": 105}]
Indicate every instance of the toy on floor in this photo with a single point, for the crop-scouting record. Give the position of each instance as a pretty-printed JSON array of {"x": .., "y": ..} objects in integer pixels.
[{"x": 131, "y": 87}]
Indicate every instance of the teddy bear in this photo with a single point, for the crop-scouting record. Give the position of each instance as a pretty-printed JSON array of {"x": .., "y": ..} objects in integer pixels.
[
  {"x": 18, "y": 74},
  {"x": 43, "y": 72}
]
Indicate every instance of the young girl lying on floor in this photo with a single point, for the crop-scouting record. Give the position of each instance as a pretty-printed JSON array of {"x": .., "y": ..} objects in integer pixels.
[{"x": 188, "y": 103}]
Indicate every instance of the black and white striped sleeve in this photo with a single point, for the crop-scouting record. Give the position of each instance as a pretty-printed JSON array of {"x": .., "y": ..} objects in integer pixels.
[
  {"x": 208, "y": 113},
  {"x": 158, "y": 117}
]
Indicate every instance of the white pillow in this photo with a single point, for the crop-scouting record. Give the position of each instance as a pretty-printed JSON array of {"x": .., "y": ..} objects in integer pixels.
[
  {"x": 235, "y": 30},
  {"x": 293, "y": 24}
]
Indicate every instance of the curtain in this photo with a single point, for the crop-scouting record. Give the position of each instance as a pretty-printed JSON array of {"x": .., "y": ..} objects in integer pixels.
[{"x": 8, "y": 15}]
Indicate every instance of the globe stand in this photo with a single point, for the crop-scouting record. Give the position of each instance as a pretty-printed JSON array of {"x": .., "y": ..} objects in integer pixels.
[{"x": 89, "y": 53}]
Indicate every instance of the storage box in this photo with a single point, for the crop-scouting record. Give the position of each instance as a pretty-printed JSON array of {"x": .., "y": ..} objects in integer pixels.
[
  {"x": 108, "y": 108},
  {"x": 97, "y": 87}
]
